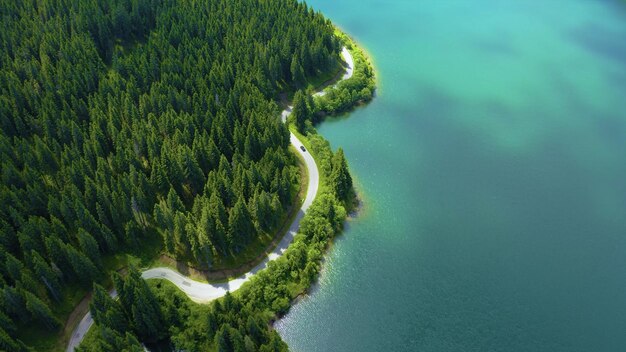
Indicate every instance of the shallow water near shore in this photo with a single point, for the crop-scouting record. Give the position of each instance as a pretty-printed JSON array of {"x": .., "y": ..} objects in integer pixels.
[{"x": 492, "y": 165}]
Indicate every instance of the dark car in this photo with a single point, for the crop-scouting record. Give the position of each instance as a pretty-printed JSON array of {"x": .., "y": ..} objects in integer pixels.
[{"x": 302, "y": 147}]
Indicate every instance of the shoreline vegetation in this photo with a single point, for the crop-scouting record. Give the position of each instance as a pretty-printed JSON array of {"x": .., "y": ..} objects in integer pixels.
[
  {"x": 236, "y": 320},
  {"x": 338, "y": 96},
  {"x": 350, "y": 93}
]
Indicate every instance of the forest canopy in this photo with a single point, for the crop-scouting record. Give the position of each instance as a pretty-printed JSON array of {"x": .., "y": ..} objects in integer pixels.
[{"x": 125, "y": 119}]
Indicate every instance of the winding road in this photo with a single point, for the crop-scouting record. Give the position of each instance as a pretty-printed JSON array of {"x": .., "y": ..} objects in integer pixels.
[{"x": 202, "y": 292}]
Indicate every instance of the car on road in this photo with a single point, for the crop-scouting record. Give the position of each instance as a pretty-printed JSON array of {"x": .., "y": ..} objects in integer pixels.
[{"x": 302, "y": 147}]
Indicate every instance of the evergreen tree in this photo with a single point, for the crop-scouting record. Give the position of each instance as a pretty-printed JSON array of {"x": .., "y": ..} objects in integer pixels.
[
  {"x": 56, "y": 250},
  {"x": 140, "y": 306},
  {"x": 229, "y": 339},
  {"x": 82, "y": 266},
  {"x": 297, "y": 72},
  {"x": 113, "y": 341},
  {"x": 40, "y": 311},
  {"x": 47, "y": 275},
  {"x": 240, "y": 227},
  {"x": 340, "y": 176},
  {"x": 301, "y": 110},
  {"x": 274, "y": 345},
  {"x": 220, "y": 219},
  {"x": 89, "y": 246},
  {"x": 106, "y": 312},
  {"x": 13, "y": 267},
  {"x": 7, "y": 343},
  {"x": 6, "y": 324},
  {"x": 205, "y": 231},
  {"x": 13, "y": 302}
]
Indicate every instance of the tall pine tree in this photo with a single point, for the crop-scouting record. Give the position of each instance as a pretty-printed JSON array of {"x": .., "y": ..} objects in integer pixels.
[
  {"x": 340, "y": 176},
  {"x": 301, "y": 110}
]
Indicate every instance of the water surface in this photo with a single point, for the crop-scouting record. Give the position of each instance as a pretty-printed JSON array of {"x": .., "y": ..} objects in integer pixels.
[{"x": 492, "y": 165}]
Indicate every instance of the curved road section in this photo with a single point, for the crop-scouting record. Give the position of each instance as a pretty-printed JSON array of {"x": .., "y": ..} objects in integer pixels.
[{"x": 202, "y": 292}]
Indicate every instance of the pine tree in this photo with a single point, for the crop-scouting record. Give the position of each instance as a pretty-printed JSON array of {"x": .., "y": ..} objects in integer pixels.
[
  {"x": 191, "y": 171},
  {"x": 275, "y": 344},
  {"x": 205, "y": 230},
  {"x": 249, "y": 345},
  {"x": 6, "y": 324},
  {"x": 14, "y": 303},
  {"x": 7, "y": 343},
  {"x": 181, "y": 235},
  {"x": 158, "y": 178},
  {"x": 229, "y": 339},
  {"x": 59, "y": 257},
  {"x": 106, "y": 312},
  {"x": 89, "y": 246},
  {"x": 40, "y": 311},
  {"x": 240, "y": 227},
  {"x": 173, "y": 201},
  {"x": 82, "y": 266},
  {"x": 220, "y": 219},
  {"x": 113, "y": 340},
  {"x": 301, "y": 110},
  {"x": 254, "y": 329},
  {"x": 8, "y": 240},
  {"x": 340, "y": 176},
  {"x": 297, "y": 72},
  {"x": 47, "y": 275},
  {"x": 141, "y": 306},
  {"x": 29, "y": 283},
  {"x": 13, "y": 267}
]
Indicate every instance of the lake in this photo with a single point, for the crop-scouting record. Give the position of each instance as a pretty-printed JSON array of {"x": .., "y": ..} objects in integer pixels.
[{"x": 492, "y": 169}]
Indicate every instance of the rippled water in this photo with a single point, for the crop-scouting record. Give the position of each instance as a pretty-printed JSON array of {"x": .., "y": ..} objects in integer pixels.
[{"x": 492, "y": 165}]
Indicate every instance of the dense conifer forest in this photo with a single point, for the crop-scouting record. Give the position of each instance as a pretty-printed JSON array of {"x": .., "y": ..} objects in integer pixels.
[{"x": 128, "y": 120}]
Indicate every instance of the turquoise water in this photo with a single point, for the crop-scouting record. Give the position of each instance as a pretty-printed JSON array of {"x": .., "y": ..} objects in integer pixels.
[{"x": 492, "y": 166}]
